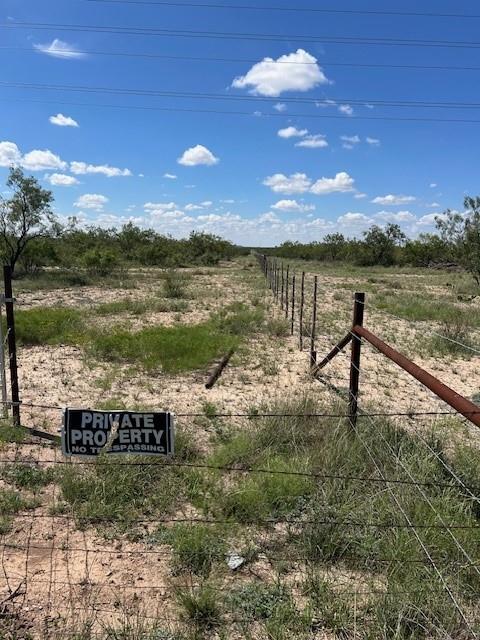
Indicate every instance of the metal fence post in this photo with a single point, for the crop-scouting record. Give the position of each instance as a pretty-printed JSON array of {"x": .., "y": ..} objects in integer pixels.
[
  {"x": 358, "y": 308},
  {"x": 313, "y": 353},
  {"x": 12, "y": 343},
  {"x": 293, "y": 304},
  {"x": 302, "y": 303},
  {"x": 286, "y": 291},
  {"x": 282, "y": 288}
]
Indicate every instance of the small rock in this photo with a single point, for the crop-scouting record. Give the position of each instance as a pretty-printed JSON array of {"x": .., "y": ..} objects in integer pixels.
[{"x": 235, "y": 561}]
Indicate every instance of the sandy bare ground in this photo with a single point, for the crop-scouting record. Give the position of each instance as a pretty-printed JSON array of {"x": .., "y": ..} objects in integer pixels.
[{"x": 66, "y": 577}]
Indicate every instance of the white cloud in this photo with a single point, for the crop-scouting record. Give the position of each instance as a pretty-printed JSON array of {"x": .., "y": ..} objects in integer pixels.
[
  {"x": 301, "y": 183},
  {"x": 281, "y": 107},
  {"x": 82, "y": 168},
  {"x": 374, "y": 142},
  {"x": 63, "y": 121},
  {"x": 433, "y": 185},
  {"x": 393, "y": 200},
  {"x": 35, "y": 160},
  {"x": 346, "y": 109},
  {"x": 292, "y": 132},
  {"x": 273, "y": 77},
  {"x": 269, "y": 217},
  {"x": 93, "y": 201},
  {"x": 159, "y": 207},
  {"x": 9, "y": 154},
  {"x": 326, "y": 103},
  {"x": 170, "y": 176},
  {"x": 341, "y": 183},
  {"x": 316, "y": 141},
  {"x": 60, "y": 49},
  {"x": 354, "y": 220},
  {"x": 400, "y": 216},
  {"x": 61, "y": 180},
  {"x": 428, "y": 220},
  {"x": 39, "y": 160},
  {"x": 295, "y": 183},
  {"x": 293, "y": 205},
  {"x": 197, "y": 155},
  {"x": 349, "y": 141},
  {"x": 433, "y": 205},
  {"x": 360, "y": 196}
]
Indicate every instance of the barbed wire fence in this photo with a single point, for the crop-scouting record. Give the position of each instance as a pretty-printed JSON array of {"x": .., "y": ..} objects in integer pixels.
[{"x": 62, "y": 576}]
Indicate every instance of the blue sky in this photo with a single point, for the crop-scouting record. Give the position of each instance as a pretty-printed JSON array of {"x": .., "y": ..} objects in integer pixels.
[{"x": 278, "y": 170}]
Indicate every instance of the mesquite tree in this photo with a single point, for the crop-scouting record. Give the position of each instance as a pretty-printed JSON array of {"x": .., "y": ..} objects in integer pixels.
[{"x": 24, "y": 216}]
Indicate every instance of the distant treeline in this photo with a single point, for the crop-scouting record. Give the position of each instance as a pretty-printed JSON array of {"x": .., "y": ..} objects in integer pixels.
[
  {"x": 102, "y": 251},
  {"x": 379, "y": 246}
]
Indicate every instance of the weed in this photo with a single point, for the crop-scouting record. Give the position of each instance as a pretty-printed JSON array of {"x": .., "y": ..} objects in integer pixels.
[
  {"x": 453, "y": 338},
  {"x": 278, "y": 327},
  {"x": 209, "y": 410},
  {"x": 175, "y": 284},
  {"x": 48, "y": 325},
  {"x": 11, "y": 502},
  {"x": 239, "y": 320},
  {"x": 140, "y": 307},
  {"x": 26, "y": 476},
  {"x": 196, "y": 548},
  {"x": 117, "y": 493},
  {"x": 201, "y": 607},
  {"x": 173, "y": 349}
]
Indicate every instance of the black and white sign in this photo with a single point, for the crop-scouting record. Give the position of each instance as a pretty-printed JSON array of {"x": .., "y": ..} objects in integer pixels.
[{"x": 88, "y": 433}]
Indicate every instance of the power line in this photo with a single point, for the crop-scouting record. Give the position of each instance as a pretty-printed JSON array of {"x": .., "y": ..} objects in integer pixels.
[
  {"x": 322, "y": 63},
  {"x": 197, "y": 95},
  {"x": 204, "y": 5},
  {"x": 313, "y": 116},
  {"x": 226, "y": 35}
]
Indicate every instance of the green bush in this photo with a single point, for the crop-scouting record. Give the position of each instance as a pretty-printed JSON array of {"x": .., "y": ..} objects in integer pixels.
[
  {"x": 175, "y": 285},
  {"x": 100, "y": 261}
]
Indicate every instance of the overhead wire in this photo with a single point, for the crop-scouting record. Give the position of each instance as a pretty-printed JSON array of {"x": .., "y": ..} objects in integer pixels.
[
  {"x": 294, "y": 63},
  {"x": 239, "y": 36}
]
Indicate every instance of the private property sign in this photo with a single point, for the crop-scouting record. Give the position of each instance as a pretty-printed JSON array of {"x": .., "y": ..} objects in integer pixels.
[{"x": 88, "y": 432}]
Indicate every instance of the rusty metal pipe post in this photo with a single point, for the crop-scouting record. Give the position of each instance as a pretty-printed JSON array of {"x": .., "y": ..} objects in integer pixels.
[
  {"x": 358, "y": 309},
  {"x": 465, "y": 407}
]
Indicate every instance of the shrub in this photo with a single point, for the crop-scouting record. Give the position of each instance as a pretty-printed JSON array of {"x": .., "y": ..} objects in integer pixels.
[
  {"x": 175, "y": 285},
  {"x": 100, "y": 261}
]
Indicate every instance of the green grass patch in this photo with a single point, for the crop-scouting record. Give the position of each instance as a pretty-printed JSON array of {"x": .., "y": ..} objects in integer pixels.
[
  {"x": 25, "y": 476},
  {"x": 422, "y": 308},
  {"x": 114, "y": 493},
  {"x": 196, "y": 547},
  {"x": 11, "y": 502},
  {"x": 176, "y": 284},
  {"x": 172, "y": 349},
  {"x": 48, "y": 325},
  {"x": 140, "y": 307}
]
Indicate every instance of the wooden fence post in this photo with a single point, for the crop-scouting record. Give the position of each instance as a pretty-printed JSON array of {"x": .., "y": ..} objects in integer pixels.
[
  {"x": 302, "y": 303},
  {"x": 12, "y": 344},
  {"x": 293, "y": 303},
  {"x": 358, "y": 308},
  {"x": 286, "y": 292},
  {"x": 313, "y": 353}
]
